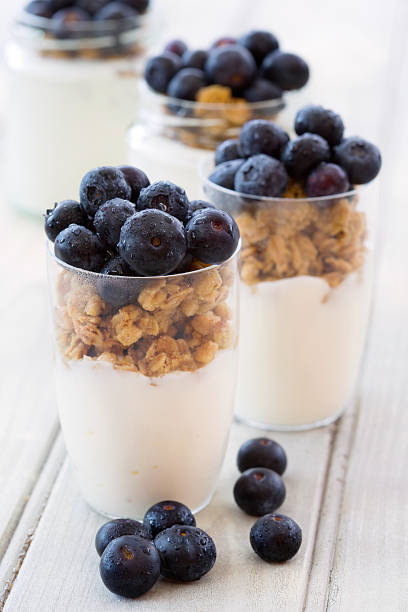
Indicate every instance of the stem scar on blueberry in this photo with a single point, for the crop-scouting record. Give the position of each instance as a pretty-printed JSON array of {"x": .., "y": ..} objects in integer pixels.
[
  {"x": 259, "y": 476},
  {"x": 156, "y": 242},
  {"x": 168, "y": 507},
  {"x": 127, "y": 553},
  {"x": 183, "y": 533},
  {"x": 276, "y": 518}
]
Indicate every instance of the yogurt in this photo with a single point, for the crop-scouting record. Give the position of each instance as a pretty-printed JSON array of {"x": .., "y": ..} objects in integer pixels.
[
  {"x": 134, "y": 441},
  {"x": 301, "y": 346}
]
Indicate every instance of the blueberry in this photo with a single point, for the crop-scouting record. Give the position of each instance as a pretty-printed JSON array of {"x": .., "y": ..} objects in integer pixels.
[
  {"x": 137, "y": 180},
  {"x": 259, "y": 43},
  {"x": 160, "y": 70},
  {"x": 115, "y": 11},
  {"x": 186, "y": 553},
  {"x": 176, "y": 46},
  {"x": 262, "y": 90},
  {"x": 224, "y": 174},
  {"x": 326, "y": 180},
  {"x": 322, "y": 121},
  {"x": 262, "y": 175},
  {"x": 223, "y": 41},
  {"x": 227, "y": 150},
  {"x": 232, "y": 66},
  {"x": 304, "y": 153},
  {"x": 79, "y": 247},
  {"x": 165, "y": 514},
  {"x": 194, "y": 59},
  {"x": 195, "y": 206},
  {"x": 212, "y": 235},
  {"x": 262, "y": 452},
  {"x": 130, "y": 566},
  {"x": 118, "y": 291},
  {"x": 63, "y": 214},
  {"x": 260, "y": 136},
  {"x": 109, "y": 219},
  {"x": 165, "y": 196},
  {"x": 186, "y": 83},
  {"x": 359, "y": 158},
  {"x": 100, "y": 185},
  {"x": 275, "y": 538},
  {"x": 287, "y": 70},
  {"x": 39, "y": 8},
  {"x": 152, "y": 242},
  {"x": 117, "y": 528},
  {"x": 140, "y": 6},
  {"x": 91, "y": 6},
  {"x": 259, "y": 491}
]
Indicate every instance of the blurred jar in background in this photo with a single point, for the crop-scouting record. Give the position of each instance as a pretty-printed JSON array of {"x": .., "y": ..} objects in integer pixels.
[{"x": 72, "y": 95}]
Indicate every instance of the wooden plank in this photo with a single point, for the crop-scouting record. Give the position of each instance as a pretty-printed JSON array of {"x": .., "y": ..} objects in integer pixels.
[
  {"x": 29, "y": 420},
  {"x": 61, "y": 568},
  {"x": 21, "y": 540}
]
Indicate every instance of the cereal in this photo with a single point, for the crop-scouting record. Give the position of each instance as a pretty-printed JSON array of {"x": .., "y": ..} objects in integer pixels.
[
  {"x": 176, "y": 324},
  {"x": 290, "y": 239}
]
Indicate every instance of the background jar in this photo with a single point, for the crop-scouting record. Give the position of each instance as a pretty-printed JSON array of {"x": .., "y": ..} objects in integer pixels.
[
  {"x": 72, "y": 96},
  {"x": 171, "y": 137},
  {"x": 145, "y": 380},
  {"x": 306, "y": 284}
]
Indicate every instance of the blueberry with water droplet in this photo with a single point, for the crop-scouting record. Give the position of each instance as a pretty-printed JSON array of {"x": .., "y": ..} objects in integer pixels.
[
  {"x": 165, "y": 514},
  {"x": 276, "y": 538},
  {"x": 259, "y": 491},
  {"x": 187, "y": 553},
  {"x": 62, "y": 215},
  {"x": 79, "y": 247},
  {"x": 117, "y": 528}
]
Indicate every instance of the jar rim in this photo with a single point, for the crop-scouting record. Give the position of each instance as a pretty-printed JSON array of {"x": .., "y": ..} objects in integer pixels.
[{"x": 206, "y": 165}]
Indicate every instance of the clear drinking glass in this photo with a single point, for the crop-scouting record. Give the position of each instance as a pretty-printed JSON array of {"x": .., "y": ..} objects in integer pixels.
[
  {"x": 306, "y": 279},
  {"x": 70, "y": 102},
  {"x": 145, "y": 381},
  {"x": 171, "y": 137}
]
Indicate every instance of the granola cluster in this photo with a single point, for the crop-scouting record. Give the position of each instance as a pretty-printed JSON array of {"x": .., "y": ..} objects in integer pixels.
[
  {"x": 293, "y": 239},
  {"x": 223, "y": 116},
  {"x": 175, "y": 324}
]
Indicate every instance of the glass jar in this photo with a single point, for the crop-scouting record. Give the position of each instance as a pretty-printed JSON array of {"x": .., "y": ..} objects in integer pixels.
[
  {"x": 145, "y": 380},
  {"x": 306, "y": 281},
  {"x": 71, "y": 98},
  {"x": 172, "y": 137}
]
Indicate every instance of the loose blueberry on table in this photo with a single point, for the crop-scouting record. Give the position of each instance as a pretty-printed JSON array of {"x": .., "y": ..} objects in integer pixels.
[
  {"x": 259, "y": 491},
  {"x": 165, "y": 514},
  {"x": 252, "y": 67},
  {"x": 117, "y": 528},
  {"x": 276, "y": 538},
  {"x": 262, "y": 452},
  {"x": 319, "y": 160}
]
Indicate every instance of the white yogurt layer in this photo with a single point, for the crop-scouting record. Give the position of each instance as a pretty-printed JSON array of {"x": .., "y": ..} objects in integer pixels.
[
  {"x": 301, "y": 344},
  {"x": 135, "y": 441},
  {"x": 164, "y": 158},
  {"x": 64, "y": 117}
]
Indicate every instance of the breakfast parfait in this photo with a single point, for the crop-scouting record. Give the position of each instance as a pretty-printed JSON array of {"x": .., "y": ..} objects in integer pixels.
[
  {"x": 73, "y": 68},
  {"x": 144, "y": 296},
  {"x": 196, "y": 98},
  {"x": 307, "y": 220}
]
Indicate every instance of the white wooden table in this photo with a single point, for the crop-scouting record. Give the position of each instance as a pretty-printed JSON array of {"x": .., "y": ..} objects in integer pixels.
[{"x": 347, "y": 484}]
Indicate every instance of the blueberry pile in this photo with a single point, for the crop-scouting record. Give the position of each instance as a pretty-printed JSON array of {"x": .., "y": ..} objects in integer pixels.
[
  {"x": 125, "y": 226},
  {"x": 66, "y": 14},
  {"x": 263, "y": 159},
  {"x": 260, "y": 491},
  {"x": 252, "y": 66},
  {"x": 167, "y": 543}
]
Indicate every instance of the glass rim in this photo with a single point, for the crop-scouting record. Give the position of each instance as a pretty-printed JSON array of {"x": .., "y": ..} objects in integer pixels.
[
  {"x": 205, "y": 165},
  {"x": 98, "y": 275},
  {"x": 279, "y": 103},
  {"x": 107, "y": 27}
]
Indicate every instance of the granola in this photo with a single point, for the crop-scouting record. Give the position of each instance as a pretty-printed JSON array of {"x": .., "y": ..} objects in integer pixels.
[
  {"x": 290, "y": 239},
  {"x": 176, "y": 323}
]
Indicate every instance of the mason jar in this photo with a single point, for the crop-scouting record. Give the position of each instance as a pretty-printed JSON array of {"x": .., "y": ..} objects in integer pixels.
[{"x": 71, "y": 97}]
